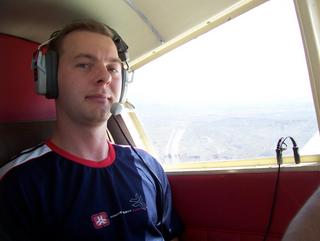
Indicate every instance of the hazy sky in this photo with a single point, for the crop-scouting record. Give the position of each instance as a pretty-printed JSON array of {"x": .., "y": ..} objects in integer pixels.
[{"x": 257, "y": 57}]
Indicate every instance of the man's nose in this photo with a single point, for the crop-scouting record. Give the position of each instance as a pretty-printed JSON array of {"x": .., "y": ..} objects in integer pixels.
[{"x": 103, "y": 77}]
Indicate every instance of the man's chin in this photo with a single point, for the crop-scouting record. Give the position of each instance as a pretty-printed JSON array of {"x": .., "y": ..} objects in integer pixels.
[{"x": 98, "y": 118}]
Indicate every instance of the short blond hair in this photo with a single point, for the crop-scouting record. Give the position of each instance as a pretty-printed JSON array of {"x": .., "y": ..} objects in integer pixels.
[{"x": 86, "y": 25}]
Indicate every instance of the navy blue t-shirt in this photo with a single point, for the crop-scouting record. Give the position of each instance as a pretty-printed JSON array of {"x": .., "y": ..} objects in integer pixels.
[{"x": 49, "y": 194}]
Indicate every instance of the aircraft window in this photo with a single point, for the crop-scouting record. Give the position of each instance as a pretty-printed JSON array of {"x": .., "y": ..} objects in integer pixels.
[{"x": 231, "y": 93}]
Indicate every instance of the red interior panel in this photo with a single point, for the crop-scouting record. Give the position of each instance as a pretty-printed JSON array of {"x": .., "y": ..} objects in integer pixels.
[
  {"x": 234, "y": 207},
  {"x": 18, "y": 101}
]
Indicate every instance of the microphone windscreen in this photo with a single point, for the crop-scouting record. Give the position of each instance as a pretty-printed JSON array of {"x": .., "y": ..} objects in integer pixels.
[{"x": 116, "y": 108}]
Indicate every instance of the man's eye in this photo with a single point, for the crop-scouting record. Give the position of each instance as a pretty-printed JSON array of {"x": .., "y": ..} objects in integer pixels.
[
  {"x": 114, "y": 69},
  {"x": 83, "y": 65}
]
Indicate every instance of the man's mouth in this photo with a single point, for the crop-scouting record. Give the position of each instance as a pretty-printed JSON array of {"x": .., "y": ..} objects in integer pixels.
[{"x": 99, "y": 98}]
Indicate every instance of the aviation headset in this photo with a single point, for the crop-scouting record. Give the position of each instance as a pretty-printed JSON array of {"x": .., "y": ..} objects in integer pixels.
[{"x": 45, "y": 67}]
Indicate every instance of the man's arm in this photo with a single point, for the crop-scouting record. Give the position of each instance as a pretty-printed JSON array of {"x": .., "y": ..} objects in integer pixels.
[{"x": 306, "y": 224}]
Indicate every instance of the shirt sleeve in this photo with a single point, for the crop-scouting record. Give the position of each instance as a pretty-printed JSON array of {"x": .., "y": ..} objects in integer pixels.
[
  {"x": 170, "y": 224},
  {"x": 13, "y": 212}
]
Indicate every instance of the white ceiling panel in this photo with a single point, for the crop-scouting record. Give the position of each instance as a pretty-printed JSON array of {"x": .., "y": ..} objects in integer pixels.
[{"x": 139, "y": 22}]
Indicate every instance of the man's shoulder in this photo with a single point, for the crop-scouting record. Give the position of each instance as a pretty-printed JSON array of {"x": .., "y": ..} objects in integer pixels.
[
  {"x": 23, "y": 158},
  {"x": 134, "y": 152},
  {"x": 143, "y": 158}
]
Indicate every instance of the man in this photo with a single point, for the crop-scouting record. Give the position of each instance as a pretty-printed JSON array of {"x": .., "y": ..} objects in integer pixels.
[
  {"x": 76, "y": 185},
  {"x": 306, "y": 224}
]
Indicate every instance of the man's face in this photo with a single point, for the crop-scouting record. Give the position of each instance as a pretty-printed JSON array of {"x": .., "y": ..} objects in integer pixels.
[{"x": 89, "y": 77}]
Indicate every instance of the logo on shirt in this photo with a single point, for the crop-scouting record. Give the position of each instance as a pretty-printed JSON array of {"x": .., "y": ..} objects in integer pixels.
[
  {"x": 100, "y": 220},
  {"x": 137, "y": 201}
]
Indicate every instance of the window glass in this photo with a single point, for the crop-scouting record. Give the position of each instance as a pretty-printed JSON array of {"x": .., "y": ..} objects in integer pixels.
[{"x": 231, "y": 93}]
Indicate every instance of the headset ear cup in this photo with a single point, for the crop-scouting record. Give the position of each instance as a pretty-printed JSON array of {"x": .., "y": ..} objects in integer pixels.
[
  {"x": 296, "y": 155},
  {"x": 39, "y": 71},
  {"x": 51, "y": 67},
  {"x": 279, "y": 156},
  {"x": 279, "y": 151}
]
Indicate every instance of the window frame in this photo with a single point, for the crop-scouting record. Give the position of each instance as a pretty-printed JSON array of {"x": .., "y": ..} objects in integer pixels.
[{"x": 309, "y": 21}]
